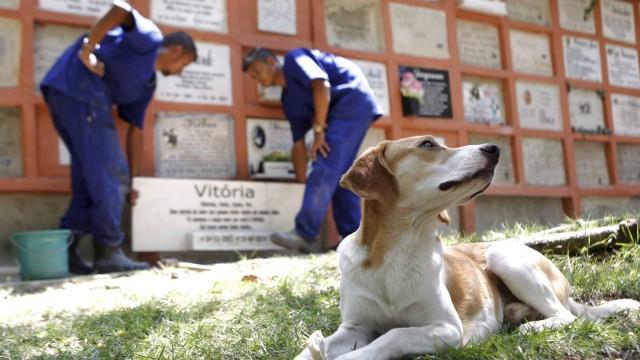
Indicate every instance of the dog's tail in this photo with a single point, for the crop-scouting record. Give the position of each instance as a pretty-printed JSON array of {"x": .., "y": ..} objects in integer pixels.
[{"x": 602, "y": 311}]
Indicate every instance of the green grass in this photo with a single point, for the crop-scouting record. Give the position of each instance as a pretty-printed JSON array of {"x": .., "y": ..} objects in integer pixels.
[{"x": 271, "y": 318}]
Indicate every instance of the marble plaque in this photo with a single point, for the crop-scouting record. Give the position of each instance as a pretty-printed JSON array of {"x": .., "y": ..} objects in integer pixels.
[
  {"x": 194, "y": 145},
  {"x": 10, "y": 142},
  {"x": 269, "y": 93},
  {"x": 529, "y": 11},
  {"x": 479, "y": 44},
  {"x": 576, "y": 15},
  {"x": 622, "y": 64},
  {"x": 490, "y": 7},
  {"x": 504, "y": 173},
  {"x": 591, "y": 164},
  {"x": 628, "y": 164},
  {"x": 425, "y": 92},
  {"x": 208, "y": 81},
  {"x": 482, "y": 100},
  {"x": 10, "y": 50},
  {"x": 277, "y": 16},
  {"x": 376, "y": 74},
  {"x": 93, "y": 8},
  {"x": 626, "y": 114},
  {"x": 543, "y": 162},
  {"x": 530, "y": 53},
  {"x": 586, "y": 110},
  {"x": 269, "y": 143},
  {"x": 10, "y": 4},
  {"x": 582, "y": 59},
  {"x": 355, "y": 25},
  {"x": 210, "y": 15},
  {"x": 617, "y": 20},
  {"x": 49, "y": 42},
  {"x": 538, "y": 106},
  {"x": 180, "y": 214},
  {"x": 408, "y": 31},
  {"x": 64, "y": 157}
]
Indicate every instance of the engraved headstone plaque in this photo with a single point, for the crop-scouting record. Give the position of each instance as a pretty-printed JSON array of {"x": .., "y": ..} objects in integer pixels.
[
  {"x": 530, "y": 53},
  {"x": 582, "y": 59},
  {"x": 277, "y": 16},
  {"x": 591, "y": 164},
  {"x": 504, "y": 173},
  {"x": 50, "y": 41},
  {"x": 93, "y": 8},
  {"x": 479, "y": 44},
  {"x": 425, "y": 92},
  {"x": 617, "y": 20},
  {"x": 376, "y": 74},
  {"x": 538, "y": 106},
  {"x": 543, "y": 162},
  {"x": 622, "y": 63},
  {"x": 10, "y": 142},
  {"x": 529, "y": 11},
  {"x": 482, "y": 100},
  {"x": 408, "y": 33},
  {"x": 208, "y": 81},
  {"x": 628, "y": 164},
  {"x": 586, "y": 110},
  {"x": 10, "y": 4},
  {"x": 269, "y": 142},
  {"x": 577, "y": 15},
  {"x": 355, "y": 25},
  {"x": 626, "y": 115},
  {"x": 194, "y": 145},
  {"x": 10, "y": 50},
  {"x": 210, "y": 15}
]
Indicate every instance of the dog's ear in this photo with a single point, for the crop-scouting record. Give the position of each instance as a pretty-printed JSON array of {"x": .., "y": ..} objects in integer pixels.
[
  {"x": 444, "y": 217},
  {"x": 370, "y": 177}
]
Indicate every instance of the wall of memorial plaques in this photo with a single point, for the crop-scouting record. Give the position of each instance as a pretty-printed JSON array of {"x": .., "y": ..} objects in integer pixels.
[
  {"x": 628, "y": 164},
  {"x": 354, "y": 25},
  {"x": 208, "y": 15},
  {"x": 479, "y": 44},
  {"x": 622, "y": 64},
  {"x": 482, "y": 100},
  {"x": 586, "y": 110},
  {"x": 10, "y": 47},
  {"x": 530, "y": 53},
  {"x": 10, "y": 143},
  {"x": 582, "y": 58},
  {"x": 277, "y": 16},
  {"x": 408, "y": 33},
  {"x": 538, "y": 106},
  {"x": 529, "y": 11},
  {"x": 626, "y": 114},
  {"x": 76, "y": 7},
  {"x": 9, "y": 4},
  {"x": 543, "y": 162},
  {"x": 591, "y": 164},
  {"x": 577, "y": 15}
]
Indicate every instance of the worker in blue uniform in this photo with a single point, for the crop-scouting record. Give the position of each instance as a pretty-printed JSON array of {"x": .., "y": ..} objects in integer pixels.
[
  {"x": 114, "y": 64},
  {"x": 329, "y": 95}
]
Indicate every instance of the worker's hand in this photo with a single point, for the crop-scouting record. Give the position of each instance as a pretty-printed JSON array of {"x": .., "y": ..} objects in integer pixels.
[
  {"x": 132, "y": 197},
  {"x": 319, "y": 145},
  {"x": 91, "y": 62}
]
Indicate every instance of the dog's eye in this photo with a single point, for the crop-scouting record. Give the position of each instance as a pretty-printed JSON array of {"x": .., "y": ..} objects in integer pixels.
[{"x": 428, "y": 144}]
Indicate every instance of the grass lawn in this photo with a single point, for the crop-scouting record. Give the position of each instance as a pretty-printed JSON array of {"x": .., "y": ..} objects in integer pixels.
[{"x": 266, "y": 308}]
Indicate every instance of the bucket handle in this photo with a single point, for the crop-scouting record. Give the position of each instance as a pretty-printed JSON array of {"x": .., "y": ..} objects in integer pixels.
[{"x": 69, "y": 242}]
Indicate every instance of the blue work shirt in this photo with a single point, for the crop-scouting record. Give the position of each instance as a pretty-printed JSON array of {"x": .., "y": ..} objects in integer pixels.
[
  {"x": 129, "y": 58},
  {"x": 351, "y": 96}
]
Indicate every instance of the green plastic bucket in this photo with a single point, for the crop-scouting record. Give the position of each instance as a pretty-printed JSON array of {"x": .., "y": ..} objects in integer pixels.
[{"x": 42, "y": 254}]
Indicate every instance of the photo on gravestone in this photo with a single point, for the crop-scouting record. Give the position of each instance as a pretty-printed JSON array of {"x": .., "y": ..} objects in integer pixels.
[
  {"x": 49, "y": 42},
  {"x": 376, "y": 74},
  {"x": 10, "y": 49},
  {"x": 210, "y": 15},
  {"x": 586, "y": 111},
  {"x": 577, "y": 15},
  {"x": 582, "y": 58},
  {"x": 354, "y": 25},
  {"x": 425, "y": 92},
  {"x": 628, "y": 164},
  {"x": 269, "y": 143},
  {"x": 622, "y": 65},
  {"x": 543, "y": 162},
  {"x": 194, "y": 146},
  {"x": 538, "y": 106},
  {"x": 9, "y": 4},
  {"x": 479, "y": 44},
  {"x": 10, "y": 142},
  {"x": 529, "y": 11},
  {"x": 277, "y": 16},
  {"x": 626, "y": 114},
  {"x": 618, "y": 20},
  {"x": 591, "y": 164},
  {"x": 482, "y": 100},
  {"x": 408, "y": 33},
  {"x": 95, "y": 8}
]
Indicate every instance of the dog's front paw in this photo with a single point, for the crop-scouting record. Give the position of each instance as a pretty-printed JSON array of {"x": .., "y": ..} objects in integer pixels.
[{"x": 315, "y": 348}]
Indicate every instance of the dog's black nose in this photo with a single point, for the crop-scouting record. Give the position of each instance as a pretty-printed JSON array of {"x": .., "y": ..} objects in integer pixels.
[{"x": 491, "y": 150}]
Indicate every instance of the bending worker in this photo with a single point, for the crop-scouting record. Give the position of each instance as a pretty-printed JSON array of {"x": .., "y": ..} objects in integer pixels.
[
  {"x": 115, "y": 63},
  {"x": 331, "y": 96}
]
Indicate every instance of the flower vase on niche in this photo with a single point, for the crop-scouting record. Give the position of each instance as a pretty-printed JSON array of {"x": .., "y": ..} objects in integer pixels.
[{"x": 412, "y": 93}]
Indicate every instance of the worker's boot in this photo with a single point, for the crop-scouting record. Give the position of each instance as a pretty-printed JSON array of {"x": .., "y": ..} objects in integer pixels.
[
  {"x": 113, "y": 259},
  {"x": 77, "y": 265}
]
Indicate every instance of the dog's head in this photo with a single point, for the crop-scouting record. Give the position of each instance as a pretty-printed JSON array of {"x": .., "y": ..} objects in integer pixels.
[{"x": 420, "y": 174}]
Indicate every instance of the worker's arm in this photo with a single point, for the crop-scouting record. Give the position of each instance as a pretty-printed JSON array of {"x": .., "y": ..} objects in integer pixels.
[
  {"x": 118, "y": 15},
  {"x": 134, "y": 155},
  {"x": 299, "y": 158},
  {"x": 321, "y": 98}
]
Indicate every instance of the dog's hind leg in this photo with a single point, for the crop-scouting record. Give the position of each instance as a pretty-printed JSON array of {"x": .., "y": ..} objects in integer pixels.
[{"x": 534, "y": 280}]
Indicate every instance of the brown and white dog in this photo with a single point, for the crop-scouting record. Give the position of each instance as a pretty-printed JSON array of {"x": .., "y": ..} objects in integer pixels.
[{"x": 402, "y": 292}]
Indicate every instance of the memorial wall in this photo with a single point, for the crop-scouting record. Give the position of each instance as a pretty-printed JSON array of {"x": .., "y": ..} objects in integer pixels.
[{"x": 555, "y": 83}]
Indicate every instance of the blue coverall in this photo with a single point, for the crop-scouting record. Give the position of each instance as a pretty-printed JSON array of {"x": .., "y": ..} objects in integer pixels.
[
  {"x": 352, "y": 110},
  {"x": 80, "y": 104}
]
